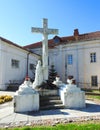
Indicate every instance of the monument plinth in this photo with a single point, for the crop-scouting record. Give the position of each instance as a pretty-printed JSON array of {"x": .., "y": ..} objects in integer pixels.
[
  {"x": 74, "y": 97},
  {"x": 71, "y": 95},
  {"x": 26, "y": 98}
]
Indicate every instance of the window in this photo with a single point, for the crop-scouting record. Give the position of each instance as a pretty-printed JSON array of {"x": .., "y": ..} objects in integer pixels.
[
  {"x": 70, "y": 59},
  {"x": 15, "y": 63},
  {"x": 92, "y": 57},
  {"x": 32, "y": 67},
  {"x": 56, "y": 39},
  {"x": 94, "y": 81}
]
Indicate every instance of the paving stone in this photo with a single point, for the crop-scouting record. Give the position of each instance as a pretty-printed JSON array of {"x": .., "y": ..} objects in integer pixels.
[{"x": 48, "y": 117}]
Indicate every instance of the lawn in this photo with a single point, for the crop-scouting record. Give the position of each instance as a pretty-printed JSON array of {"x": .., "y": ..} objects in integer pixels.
[
  {"x": 71, "y": 126},
  {"x": 96, "y": 91},
  {"x": 92, "y": 97}
]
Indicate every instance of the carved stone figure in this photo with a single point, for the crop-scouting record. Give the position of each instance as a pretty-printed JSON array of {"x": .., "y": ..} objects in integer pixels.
[{"x": 38, "y": 75}]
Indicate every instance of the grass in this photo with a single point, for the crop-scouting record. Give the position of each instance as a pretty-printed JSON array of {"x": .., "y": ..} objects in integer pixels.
[
  {"x": 92, "y": 97},
  {"x": 95, "y": 91},
  {"x": 71, "y": 126},
  {"x": 91, "y": 90}
]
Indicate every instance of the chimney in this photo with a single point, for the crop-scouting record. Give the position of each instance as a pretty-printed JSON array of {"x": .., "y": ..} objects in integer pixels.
[{"x": 76, "y": 34}]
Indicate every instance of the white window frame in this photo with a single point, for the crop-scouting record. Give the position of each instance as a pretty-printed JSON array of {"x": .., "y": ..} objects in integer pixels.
[
  {"x": 70, "y": 59},
  {"x": 93, "y": 57},
  {"x": 15, "y": 63}
]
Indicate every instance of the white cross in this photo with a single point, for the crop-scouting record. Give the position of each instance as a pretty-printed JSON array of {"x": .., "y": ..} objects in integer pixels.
[{"x": 45, "y": 31}]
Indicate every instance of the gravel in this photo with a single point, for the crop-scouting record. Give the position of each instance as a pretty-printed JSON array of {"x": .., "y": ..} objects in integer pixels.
[{"x": 51, "y": 122}]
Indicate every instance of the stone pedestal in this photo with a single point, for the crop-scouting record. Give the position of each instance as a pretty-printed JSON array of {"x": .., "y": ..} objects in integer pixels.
[
  {"x": 72, "y": 96},
  {"x": 26, "y": 98}
]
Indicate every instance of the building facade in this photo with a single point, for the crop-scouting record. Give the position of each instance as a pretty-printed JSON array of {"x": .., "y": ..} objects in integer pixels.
[
  {"x": 15, "y": 63},
  {"x": 77, "y": 55}
]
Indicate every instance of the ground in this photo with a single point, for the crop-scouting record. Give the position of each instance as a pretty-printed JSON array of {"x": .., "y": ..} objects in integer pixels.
[{"x": 48, "y": 117}]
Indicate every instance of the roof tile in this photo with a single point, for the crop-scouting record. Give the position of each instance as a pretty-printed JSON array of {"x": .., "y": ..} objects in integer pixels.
[{"x": 66, "y": 40}]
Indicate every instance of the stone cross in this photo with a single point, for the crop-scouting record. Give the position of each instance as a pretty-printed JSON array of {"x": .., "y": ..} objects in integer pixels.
[{"x": 45, "y": 31}]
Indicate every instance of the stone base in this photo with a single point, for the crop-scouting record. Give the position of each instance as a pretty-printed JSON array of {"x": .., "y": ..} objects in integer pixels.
[
  {"x": 72, "y": 96},
  {"x": 26, "y": 99},
  {"x": 25, "y": 103},
  {"x": 74, "y": 99}
]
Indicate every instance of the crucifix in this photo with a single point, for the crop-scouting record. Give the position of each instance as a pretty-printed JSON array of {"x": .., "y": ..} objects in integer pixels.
[{"x": 45, "y": 31}]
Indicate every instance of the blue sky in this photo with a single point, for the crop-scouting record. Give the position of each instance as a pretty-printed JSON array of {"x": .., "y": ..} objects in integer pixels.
[{"x": 18, "y": 16}]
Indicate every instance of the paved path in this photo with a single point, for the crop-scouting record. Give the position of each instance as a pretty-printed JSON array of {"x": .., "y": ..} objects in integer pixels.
[{"x": 51, "y": 117}]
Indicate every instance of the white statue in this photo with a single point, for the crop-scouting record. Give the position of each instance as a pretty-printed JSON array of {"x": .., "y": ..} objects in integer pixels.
[
  {"x": 57, "y": 82},
  {"x": 70, "y": 81},
  {"x": 38, "y": 75}
]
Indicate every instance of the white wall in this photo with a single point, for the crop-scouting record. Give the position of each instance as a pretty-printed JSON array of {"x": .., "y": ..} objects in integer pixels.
[
  {"x": 81, "y": 69},
  {"x": 7, "y": 72},
  {"x": 32, "y": 60},
  {"x": 90, "y": 69},
  {"x": 60, "y": 61}
]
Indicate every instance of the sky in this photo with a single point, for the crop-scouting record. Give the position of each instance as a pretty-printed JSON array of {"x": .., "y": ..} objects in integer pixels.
[{"x": 18, "y": 16}]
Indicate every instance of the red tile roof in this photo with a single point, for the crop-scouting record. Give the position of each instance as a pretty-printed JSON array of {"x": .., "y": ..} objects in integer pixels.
[
  {"x": 16, "y": 45},
  {"x": 10, "y": 42},
  {"x": 66, "y": 40},
  {"x": 38, "y": 44}
]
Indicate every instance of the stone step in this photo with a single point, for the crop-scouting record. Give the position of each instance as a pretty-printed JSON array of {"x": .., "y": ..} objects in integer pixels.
[
  {"x": 50, "y": 102},
  {"x": 53, "y": 97},
  {"x": 49, "y": 107}
]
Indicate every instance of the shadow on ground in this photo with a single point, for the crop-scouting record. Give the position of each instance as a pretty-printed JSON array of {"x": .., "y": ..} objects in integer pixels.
[{"x": 90, "y": 108}]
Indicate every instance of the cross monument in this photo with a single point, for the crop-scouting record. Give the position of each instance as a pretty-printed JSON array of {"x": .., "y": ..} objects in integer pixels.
[{"x": 45, "y": 31}]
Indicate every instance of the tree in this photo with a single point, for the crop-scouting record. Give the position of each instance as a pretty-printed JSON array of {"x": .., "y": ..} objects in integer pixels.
[{"x": 52, "y": 73}]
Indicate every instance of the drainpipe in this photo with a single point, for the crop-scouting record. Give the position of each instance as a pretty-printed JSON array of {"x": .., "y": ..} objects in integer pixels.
[
  {"x": 27, "y": 64},
  {"x": 77, "y": 66}
]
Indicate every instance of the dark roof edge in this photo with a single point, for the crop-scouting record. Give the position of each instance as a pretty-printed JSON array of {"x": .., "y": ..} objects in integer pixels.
[{"x": 16, "y": 45}]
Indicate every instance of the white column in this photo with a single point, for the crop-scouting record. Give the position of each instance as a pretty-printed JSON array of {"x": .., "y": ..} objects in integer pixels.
[{"x": 45, "y": 56}]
